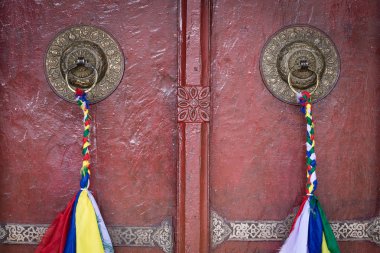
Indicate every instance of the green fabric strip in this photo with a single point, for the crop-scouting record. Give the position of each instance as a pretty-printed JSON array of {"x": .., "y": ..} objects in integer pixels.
[{"x": 329, "y": 235}]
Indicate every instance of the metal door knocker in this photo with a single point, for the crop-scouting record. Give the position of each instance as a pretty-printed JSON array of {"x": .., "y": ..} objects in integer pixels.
[
  {"x": 303, "y": 78},
  {"x": 299, "y": 58},
  {"x": 82, "y": 75},
  {"x": 84, "y": 57}
]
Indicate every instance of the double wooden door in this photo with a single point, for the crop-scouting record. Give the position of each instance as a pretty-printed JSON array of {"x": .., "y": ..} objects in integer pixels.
[{"x": 191, "y": 153}]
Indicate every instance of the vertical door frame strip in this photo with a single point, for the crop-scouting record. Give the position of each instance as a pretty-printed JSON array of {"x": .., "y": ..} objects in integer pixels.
[{"x": 194, "y": 33}]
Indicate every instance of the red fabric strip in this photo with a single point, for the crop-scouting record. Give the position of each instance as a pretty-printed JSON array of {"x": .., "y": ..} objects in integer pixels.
[
  {"x": 79, "y": 92},
  {"x": 299, "y": 212},
  {"x": 54, "y": 239},
  {"x": 86, "y": 156}
]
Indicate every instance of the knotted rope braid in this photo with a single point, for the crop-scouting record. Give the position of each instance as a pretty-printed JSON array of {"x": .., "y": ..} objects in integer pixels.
[
  {"x": 79, "y": 228},
  {"x": 311, "y": 231},
  {"x": 311, "y": 185},
  {"x": 85, "y": 170}
]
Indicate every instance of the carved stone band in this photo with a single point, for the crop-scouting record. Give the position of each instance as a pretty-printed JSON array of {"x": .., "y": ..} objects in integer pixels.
[
  {"x": 262, "y": 230},
  {"x": 122, "y": 236}
]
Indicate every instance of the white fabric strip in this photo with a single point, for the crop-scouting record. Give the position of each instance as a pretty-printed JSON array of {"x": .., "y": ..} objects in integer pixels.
[
  {"x": 313, "y": 177},
  {"x": 308, "y": 146},
  {"x": 297, "y": 240},
  {"x": 106, "y": 239}
]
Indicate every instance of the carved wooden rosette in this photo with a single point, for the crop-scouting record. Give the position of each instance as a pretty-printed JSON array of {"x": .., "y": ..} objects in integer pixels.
[{"x": 194, "y": 104}]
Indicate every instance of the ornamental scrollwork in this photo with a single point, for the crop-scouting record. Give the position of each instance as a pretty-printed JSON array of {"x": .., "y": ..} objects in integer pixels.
[
  {"x": 267, "y": 230},
  {"x": 160, "y": 236}
]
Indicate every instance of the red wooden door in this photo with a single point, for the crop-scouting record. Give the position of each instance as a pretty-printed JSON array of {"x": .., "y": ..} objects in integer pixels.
[
  {"x": 134, "y": 130},
  {"x": 257, "y": 172},
  {"x": 191, "y": 153}
]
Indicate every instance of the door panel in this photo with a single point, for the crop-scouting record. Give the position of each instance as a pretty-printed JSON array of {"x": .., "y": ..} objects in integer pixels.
[
  {"x": 134, "y": 130},
  {"x": 257, "y": 167},
  {"x": 240, "y": 157}
]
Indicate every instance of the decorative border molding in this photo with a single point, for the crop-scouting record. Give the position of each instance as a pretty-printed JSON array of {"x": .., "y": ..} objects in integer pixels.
[
  {"x": 263, "y": 230},
  {"x": 193, "y": 104},
  {"x": 122, "y": 236}
]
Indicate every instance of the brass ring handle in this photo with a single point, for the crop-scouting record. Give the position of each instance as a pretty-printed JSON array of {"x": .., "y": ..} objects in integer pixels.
[
  {"x": 93, "y": 84},
  {"x": 291, "y": 86}
]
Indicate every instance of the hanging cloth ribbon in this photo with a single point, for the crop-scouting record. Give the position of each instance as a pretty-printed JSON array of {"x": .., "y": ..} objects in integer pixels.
[
  {"x": 310, "y": 232},
  {"x": 80, "y": 227}
]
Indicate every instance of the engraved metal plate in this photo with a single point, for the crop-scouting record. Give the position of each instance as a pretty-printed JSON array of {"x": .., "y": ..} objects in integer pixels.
[
  {"x": 285, "y": 51},
  {"x": 160, "y": 236},
  {"x": 97, "y": 47},
  {"x": 268, "y": 230}
]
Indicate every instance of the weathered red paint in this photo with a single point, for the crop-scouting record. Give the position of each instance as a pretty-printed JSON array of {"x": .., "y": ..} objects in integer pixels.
[
  {"x": 257, "y": 167},
  {"x": 193, "y": 67},
  {"x": 253, "y": 137},
  {"x": 134, "y": 131}
]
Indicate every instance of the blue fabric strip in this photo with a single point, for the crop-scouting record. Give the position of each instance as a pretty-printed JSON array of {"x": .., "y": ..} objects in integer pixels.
[
  {"x": 84, "y": 181},
  {"x": 71, "y": 244},
  {"x": 314, "y": 241}
]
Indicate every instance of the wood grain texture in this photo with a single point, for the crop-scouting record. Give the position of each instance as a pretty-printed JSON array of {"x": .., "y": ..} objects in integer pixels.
[
  {"x": 257, "y": 154},
  {"x": 134, "y": 135}
]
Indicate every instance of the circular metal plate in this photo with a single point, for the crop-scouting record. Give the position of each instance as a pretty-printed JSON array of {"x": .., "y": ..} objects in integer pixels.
[
  {"x": 286, "y": 48},
  {"x": 98, "y": 47}
]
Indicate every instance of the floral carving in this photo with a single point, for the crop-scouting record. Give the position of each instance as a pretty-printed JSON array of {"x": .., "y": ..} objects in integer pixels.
[
  {"x": 194, "y": 104},
  {"x": 220, "y": 230},
  {"x": 163, "y": 236},
  {"x": 160, "y": 236},
  {"x": 266, "y": 230}
]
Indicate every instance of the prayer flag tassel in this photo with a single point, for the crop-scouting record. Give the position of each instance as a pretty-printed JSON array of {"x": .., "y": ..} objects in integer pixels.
[
  {"x": 310, "y": 232},
  {"x": 80, "y": 227}
]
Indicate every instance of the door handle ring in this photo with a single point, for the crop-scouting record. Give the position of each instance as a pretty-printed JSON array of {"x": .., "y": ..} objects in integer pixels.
[
  {"x": 82, "y": 62},
  {"x": 294, "y": 90}
]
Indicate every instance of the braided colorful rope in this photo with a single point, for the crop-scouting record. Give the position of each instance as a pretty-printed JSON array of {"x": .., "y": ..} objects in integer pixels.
[
  {"x": 310, "y": 232},
  {"x": 80, "y": 227},
  {"x": 85, "y": 170},
  {"x": 311, "y": 162}
]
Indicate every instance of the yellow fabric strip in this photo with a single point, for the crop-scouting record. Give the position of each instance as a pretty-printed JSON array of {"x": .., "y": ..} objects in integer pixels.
[
  {"x": 87, "y": 232},
  {"x": 325, "y": 249},
  {"x": 85, "y": 163}
]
